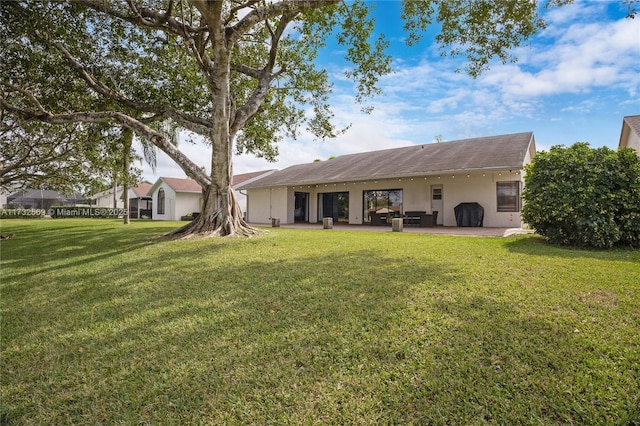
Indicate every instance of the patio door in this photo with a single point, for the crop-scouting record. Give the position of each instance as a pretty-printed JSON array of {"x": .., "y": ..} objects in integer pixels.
[
  {"x": 334, "y": 205},
  {"x": 301, "y": 207},
  {"x": 437, "y": 205}
]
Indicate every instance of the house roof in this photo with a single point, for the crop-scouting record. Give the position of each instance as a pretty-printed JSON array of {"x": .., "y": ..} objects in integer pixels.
[
  {"x": 244, "y": 177},
  {"x": 141, "y": 189},
  {"x": 191, "y": 186},
  {"x": 105, "y": 193},
  {"x": 503, "y": 152},
  {"x": 181, "y": 184},
  {"x": 630, "y": 123}
]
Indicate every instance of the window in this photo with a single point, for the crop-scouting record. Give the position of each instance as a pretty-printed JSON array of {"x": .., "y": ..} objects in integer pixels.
[
  {"x": 161, "y": 201},
  {"x": 383, "y": 204},
  {"x": 508, "y": 196}
]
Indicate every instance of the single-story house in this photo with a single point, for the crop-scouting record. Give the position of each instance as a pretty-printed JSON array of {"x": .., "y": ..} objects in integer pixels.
[
  {"x": 485, "y": 174},
  {"x": 630, "y": 134},
  {"x": 173, "y": 198},
  {"x": 246, "y": 178}
]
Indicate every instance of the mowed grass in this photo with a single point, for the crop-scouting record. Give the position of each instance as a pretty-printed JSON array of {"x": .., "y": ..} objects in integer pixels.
[{"x": 104, "y": 324}]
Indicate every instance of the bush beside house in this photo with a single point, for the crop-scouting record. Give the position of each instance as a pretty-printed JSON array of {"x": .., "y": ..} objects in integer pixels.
[{"x": 584, "y": 196}]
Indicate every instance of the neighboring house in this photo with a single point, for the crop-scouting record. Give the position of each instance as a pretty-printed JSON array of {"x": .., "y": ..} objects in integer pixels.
[
  {"x": 630, "y": 134},
  {"x": 42, "y": 199},
  {"x": 105, "y": 198},
  {"x": 173, "y": 198},
  {"x": 359, "y": 188},
  {"x": 139, "y": 201},
  {"x": 140, "y": 204}
]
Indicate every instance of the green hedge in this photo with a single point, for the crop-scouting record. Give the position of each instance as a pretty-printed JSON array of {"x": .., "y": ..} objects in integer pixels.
[{"x": 584, "y": 196}]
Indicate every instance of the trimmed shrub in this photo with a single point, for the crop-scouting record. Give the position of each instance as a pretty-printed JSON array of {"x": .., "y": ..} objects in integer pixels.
[{"x": 586, "y": 197}]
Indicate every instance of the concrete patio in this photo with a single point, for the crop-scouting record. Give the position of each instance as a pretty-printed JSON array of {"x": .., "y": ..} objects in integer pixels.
[{"x": 442, "y": 230}]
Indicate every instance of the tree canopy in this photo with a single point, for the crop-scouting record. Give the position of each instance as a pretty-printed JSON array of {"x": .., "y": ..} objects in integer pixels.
[{"x": 241, "y": 74}]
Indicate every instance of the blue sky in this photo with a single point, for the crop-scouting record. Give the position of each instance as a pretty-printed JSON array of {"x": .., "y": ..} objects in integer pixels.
[{"x": 574, "y": 81}]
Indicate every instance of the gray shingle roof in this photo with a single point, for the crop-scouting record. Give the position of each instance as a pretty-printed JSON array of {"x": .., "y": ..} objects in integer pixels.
[
  {"x": 487, "y": 153},
  {"x": 633, "y": 121}
]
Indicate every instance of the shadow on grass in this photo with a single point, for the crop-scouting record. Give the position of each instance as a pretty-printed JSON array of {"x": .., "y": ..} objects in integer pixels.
[
  {"x": 255, "y": 331},
  {"x": 39, "y": 250},
  {"x": 539, "y": 246},
  {"x": 161, "y": 336}
]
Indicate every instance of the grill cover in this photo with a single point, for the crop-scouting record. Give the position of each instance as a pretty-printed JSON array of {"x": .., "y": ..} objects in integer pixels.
[{"x": 469, "y": 214}]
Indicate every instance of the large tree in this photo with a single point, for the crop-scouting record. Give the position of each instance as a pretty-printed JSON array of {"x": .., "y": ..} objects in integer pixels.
[{"x": 239, "y": 73}]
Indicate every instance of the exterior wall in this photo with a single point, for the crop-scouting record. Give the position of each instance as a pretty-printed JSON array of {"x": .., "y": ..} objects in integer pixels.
[
  {"x": 241, "y": 199},
  {"x": 105, "y": 199},
  {"x": 186, "y": 202},
  {"x": 265, "y": 203},
  {"x": 169, "y": 203},
  {"x": 480, "y": 189},
  {"x": 633, "y": 141}
]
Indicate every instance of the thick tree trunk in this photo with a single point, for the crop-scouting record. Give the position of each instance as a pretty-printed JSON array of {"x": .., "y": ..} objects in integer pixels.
[
  {"x": 217, "y": 217},
  {"x": 220, "y": 214}
]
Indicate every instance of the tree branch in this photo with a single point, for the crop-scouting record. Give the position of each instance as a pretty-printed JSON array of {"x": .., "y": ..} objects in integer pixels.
[
  {"x": 265, "y": 77},
  {"x": 190, "y": 122},
  {"x": 190, "y": 168},
  {"x": 273, "y": 10}
]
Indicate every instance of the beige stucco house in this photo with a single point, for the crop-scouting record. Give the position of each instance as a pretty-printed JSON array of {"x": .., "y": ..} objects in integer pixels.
[
  {"x": 361, "y": 188},
  {"x": 630, "y": 134}
]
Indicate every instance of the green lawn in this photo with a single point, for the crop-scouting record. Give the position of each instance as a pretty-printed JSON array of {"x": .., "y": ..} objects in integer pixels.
[{"x": 103, "y": 324}]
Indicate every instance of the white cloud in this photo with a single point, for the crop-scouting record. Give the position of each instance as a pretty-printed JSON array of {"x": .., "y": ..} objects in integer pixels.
[{"x": 585, "y": 56}]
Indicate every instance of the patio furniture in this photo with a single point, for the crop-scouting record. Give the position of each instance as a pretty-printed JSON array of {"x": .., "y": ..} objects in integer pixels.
[
  {"x": 378, "y": 219},
  {"x": 420, "y": 219}
]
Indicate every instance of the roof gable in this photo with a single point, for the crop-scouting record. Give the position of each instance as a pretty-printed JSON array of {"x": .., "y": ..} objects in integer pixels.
[
  {"x": 633, "y": 121},
  {"x": 630, "y": 124},
  {"x": 177, "y": 184},
  {"x": 487, "y": 153}
]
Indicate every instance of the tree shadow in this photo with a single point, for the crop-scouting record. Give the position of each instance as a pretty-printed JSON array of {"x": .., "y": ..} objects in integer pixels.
[
  {"x": 216, "y": 331},
  {"x": 536, "y": 245}
]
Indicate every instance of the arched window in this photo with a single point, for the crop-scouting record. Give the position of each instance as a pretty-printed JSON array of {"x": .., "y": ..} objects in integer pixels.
[{"x": 161, "y": 201}]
